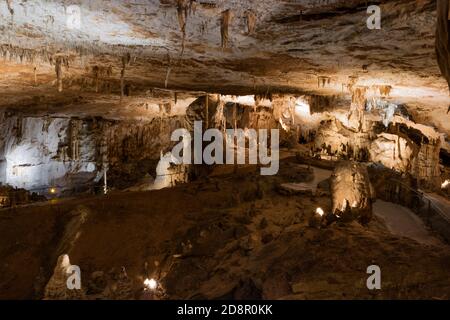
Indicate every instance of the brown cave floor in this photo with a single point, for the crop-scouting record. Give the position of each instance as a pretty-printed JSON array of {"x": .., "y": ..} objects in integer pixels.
[{"x": 233, "y": 236}]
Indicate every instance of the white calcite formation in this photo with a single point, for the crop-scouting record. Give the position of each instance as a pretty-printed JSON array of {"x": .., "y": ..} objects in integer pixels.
[
  {"x": 34, "y": 152},
  {"x": 38, "y": 153}
]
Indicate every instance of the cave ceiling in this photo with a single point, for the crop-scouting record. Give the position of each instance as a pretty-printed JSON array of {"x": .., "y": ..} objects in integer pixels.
[{"x": 294, "y": 44}]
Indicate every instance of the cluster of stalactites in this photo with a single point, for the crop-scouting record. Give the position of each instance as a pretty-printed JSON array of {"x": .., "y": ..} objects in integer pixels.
[
  {"x": 184, "y": 8},
  {"x": 26, "y": 56}
]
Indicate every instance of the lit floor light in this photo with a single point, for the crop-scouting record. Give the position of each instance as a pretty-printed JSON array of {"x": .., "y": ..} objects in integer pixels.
[
  {"x": 150, "y": 284},
  {"x": 320, "y": 212}
]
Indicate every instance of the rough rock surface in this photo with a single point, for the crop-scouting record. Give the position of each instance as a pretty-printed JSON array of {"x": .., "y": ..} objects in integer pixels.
[
  {"x": 351, "y": 192},
  {"x": 402, "y": 145},
  {"x": 57, "y": 288},
  {"x": 392, "y": 151},
  {"x": 70, "y": 153},
  {"x": 235, "y": 237},
  {"x": 443, "y": 38},
  {"x": 289, "y": 46}
]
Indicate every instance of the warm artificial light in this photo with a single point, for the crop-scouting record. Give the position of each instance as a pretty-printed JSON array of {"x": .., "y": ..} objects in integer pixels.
[
  {"x": 150, "y": 284},
  {"x": 320, "y": 212}
]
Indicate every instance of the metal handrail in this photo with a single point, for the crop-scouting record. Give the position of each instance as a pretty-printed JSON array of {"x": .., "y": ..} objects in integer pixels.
[
  {"x": 45, "y": 189},
  {"x": 423, "y": 196}
]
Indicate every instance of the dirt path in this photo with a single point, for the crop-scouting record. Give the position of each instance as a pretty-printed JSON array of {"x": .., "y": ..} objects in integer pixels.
[
  {"x": 403, "y": 222},
  {"x": 319, "y": 176}
]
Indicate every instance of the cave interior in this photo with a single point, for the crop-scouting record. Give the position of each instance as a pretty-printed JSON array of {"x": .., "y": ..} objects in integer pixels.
[{"x": 354, "y": 121}]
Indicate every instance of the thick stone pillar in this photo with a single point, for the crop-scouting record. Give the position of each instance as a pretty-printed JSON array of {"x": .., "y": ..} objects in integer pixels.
[{"x": 351, "y": 192}]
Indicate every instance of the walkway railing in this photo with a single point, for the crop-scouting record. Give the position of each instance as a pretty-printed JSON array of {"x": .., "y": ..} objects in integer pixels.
[{"x": 427, "y": 203}]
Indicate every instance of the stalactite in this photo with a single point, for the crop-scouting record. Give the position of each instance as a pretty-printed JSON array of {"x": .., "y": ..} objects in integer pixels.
[
  {"x": 250, "y": 17},
  {"x": 207, "y": 111},
  {"x": 193, "y": 7},
  {"x": 359, "y": 96},
  {"x": 224, "y": 26},
  {"x": 10, "y": 9},
  {"x": 95, "y": 72},
  {"x": 322, "y": 81},
  {"x": 125, "y": 62},
  {"x": 169, "y": 69},
  {"x": 74, "y": 127},
  {"x": 58, "y": 70},
  {"x": 182, "y": 13}
]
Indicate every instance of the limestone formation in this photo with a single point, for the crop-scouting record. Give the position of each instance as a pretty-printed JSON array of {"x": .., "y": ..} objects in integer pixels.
[
  {"x": 224, "y": 27},
  {"x": 351, "y": 192},
  {"x": 57, "y": 288},
  {"x": 74, "y": 149},
  {"x": 93, "y": 95},
  {"x": 123, "y": 289},
  {"x": 393, "y": 152}
]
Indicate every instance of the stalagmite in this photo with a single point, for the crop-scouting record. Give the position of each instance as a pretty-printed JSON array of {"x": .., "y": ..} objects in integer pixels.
[
  {"x": 224, "y": 26},
  {"x": 219, "y": 117},
  {"x": 105, "y": 182},
  {"x": 57, "y": 288},
  {"x": 124, "y": 287},
  {"x": 351, "y": 192}
]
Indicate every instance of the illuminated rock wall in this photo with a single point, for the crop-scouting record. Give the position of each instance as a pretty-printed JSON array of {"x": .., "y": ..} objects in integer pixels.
[
  {"x": 351, "y": 192},
  {"x": 404, "y": 146},
  {"x": 442, "y": 38},
  {"x": 37, "y": 153},
  {"x": 393, "y": 152}
]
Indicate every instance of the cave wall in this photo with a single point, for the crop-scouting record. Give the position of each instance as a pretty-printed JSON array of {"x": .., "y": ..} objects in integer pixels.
[
  {"x": 392, "y": 151},
  {"x": 70, "y": 153},
  {"x": 400, "y": 146},
  {"x": 443, "y": 38},
  {"x": 336, "y": 138}
]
